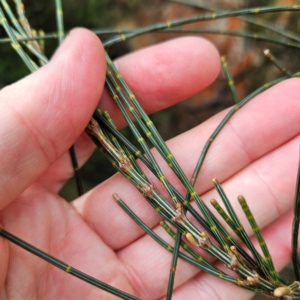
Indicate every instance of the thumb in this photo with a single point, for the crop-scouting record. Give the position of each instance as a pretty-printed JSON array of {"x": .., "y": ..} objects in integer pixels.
[{"x": 42, "y": 115}]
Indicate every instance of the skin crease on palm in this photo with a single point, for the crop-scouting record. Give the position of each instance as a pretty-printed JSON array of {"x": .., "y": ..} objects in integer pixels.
[{"x": 43, "y": 114}]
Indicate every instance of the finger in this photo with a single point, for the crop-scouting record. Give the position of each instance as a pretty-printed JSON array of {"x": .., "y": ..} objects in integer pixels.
[
  {"x": 248, "y": 138},
  {"x": 160, "y": 77},
  {"x": 43, "y": 114}
]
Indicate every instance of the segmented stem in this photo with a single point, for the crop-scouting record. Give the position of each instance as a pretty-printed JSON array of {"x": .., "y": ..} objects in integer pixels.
[
  {"x": 272, "y": 58},
  {"x": 261, "y": 241},
  {"x": 229, "y": 79},
  {"x": 65, "y": 267}
]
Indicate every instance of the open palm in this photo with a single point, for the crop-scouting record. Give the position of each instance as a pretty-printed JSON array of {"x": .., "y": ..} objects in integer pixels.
[{"x": 44, "y": 114}]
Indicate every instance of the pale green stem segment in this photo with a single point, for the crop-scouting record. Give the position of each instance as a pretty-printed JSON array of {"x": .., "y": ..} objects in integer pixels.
[
  {"x": 229, "y": 79},
  {"x": 23, "y": 29},
  {"x": 43, "y": 36},
  {"x": 16, "y": 45},
  {"x": 13, "y": 19},
  {"x": 59, "y": 20},
  {"x": 27, "y": 30}
]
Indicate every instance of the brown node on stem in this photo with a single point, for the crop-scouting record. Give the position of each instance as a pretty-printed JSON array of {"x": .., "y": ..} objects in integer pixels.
[
  {"x": 147, "y": 189},
  {"x": 242, "y": 282},
  {"x": 253, "y": 280},
  {"x": 282, "y": 291},
  {"x": 204, "y": 242},
  {"x": 234, "y": 262},
  {"x": 125, "y": 163},
  {"x": 180, "y": 216}
]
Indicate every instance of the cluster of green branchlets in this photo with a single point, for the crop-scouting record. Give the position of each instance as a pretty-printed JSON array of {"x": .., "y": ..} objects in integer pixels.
[
  {"x": 254, "y": 272},
  {"x": 257, "y": 274}
]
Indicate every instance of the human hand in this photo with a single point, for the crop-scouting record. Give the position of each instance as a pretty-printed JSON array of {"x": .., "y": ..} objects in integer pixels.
[{"x": 44, "y": 114}]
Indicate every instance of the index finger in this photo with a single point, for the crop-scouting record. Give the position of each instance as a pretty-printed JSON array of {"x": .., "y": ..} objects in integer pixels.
[{"x": 159, "y": 76}]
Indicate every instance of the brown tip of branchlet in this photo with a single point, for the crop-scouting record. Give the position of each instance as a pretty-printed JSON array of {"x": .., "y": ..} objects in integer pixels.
[
  {"x": 215, "y": 181},
  {"x": 116, "y": 197},
  {"x": 241, "y": 198},
  {"x": 267, "y": 52},
  {"x": 213, "y": 201}
]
